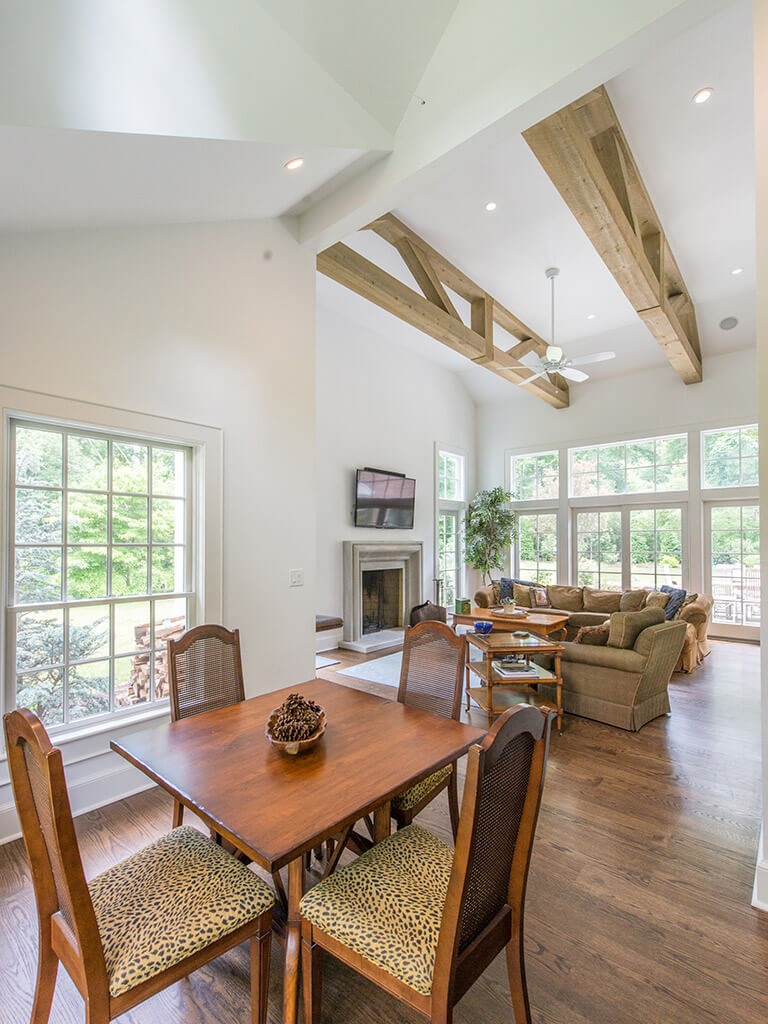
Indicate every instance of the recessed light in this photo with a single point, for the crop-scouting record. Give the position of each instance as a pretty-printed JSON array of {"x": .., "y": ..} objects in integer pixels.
[
  {"x": 591, "y": 316},
  {"x": 728, "y": 323},
  {"x": 737, "y": 270},
  {"x": 490, "y": 206},
  {"x": 295, "y": 163},
  {"x": 703, "y": 95}
]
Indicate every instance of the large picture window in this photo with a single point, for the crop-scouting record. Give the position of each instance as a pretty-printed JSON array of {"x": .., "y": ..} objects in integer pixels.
[
  {"x": 535, "y": 477},
  {"x": 729, "y": 457},
  {"x": 630, "y": 467},
  {"x": 735, "y": 564},
  {"x": 537, "y": 547},
  {"x": 99, "y": 569}
]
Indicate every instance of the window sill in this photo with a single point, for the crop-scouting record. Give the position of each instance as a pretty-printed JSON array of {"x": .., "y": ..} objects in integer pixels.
[{"x": 106, "y": 725}]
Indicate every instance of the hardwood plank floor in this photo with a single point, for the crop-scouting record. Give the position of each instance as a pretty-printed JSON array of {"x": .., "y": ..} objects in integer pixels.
[{"x": 638, "y": 902}]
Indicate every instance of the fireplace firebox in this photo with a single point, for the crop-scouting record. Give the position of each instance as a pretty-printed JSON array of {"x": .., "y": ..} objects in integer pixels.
[{"x": 382, "y": 599}]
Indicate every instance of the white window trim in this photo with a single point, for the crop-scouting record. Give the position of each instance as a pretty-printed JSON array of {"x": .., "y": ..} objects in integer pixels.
[
  {"x": 206, "y": 493},
  {"x": 450, "y": 505}
]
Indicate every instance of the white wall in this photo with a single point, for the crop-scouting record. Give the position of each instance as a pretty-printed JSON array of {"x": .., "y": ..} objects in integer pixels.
[
  {"x": 760, "y": 898},
  {"x": 641, "y": 403},
  {"x": 213, "y": 324},
  {"x": 380, "y": 405}
]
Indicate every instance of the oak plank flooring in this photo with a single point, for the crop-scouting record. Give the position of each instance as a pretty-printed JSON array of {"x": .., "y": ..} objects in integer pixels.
[{"x": 638, "y": 900}]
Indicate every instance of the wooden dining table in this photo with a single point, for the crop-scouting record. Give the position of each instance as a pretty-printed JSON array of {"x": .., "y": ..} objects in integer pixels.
[{"x": 274, "y": 808}]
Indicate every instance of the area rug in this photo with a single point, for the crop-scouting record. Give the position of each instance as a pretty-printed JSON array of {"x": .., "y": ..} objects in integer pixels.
[
  {"x": 321, "y": 662},
  {"x": 384, "y": 670}
]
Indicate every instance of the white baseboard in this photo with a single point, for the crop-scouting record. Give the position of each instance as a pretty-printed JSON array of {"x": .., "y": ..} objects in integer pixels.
[
  {"x": 760, "y": 890},
  {"x": 328, "y": 640}
]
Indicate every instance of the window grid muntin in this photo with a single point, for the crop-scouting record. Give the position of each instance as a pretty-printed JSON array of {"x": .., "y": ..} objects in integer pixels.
[
  {"x": 656, "y": 465},
  {"x": 739, "y": 459},
  {"x": 64, "y": 603}
]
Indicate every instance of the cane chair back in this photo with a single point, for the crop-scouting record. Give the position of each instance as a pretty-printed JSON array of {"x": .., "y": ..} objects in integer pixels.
[
  {"x": 500, "y": 808},
  {"x": 40, "y": 792},
  {"x": 205, "y": 671},
  {"x": 433, "y": 669}
]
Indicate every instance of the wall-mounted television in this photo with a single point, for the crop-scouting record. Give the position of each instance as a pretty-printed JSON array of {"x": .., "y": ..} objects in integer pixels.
[{"x": 383, "y": 500}]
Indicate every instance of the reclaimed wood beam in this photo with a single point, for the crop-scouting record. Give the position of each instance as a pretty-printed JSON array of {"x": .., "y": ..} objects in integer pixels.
[
  {"x": 584, "y": 151},
  {"x": 347, "y": 267}
]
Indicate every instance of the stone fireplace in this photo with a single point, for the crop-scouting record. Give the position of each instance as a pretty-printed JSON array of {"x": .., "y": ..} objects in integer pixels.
[{"x": 382, "y": 582}]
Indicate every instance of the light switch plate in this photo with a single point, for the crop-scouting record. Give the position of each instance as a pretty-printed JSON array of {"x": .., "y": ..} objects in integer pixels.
[{"x": 295, "y": 577}]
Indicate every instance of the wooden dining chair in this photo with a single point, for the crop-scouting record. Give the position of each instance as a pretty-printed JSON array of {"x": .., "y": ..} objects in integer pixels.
[
  {"x": 422, "y": 921},
  {"x": 141, "y": 925},
  {"x": 205, "y": 672},
  {"x": 431, "y": 679}
]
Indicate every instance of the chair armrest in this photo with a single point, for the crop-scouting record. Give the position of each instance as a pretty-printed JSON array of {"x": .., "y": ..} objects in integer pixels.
[
  {"x": 484, "y": 597},
  {"x": 694, "y": 612}
]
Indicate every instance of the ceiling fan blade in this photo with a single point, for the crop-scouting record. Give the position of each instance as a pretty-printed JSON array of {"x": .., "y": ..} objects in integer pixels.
[
  {"x": 596, "y": 357},
  {"x": 530, "y": 380},
  {"x": 530, "y": 359},
  {"x": 575, "y": 375}
]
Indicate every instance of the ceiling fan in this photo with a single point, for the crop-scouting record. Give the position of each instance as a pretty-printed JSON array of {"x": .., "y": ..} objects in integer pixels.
[{"x": 554, "y": 359}]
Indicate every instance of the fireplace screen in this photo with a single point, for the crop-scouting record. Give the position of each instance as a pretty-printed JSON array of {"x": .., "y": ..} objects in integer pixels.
[{"x": 382, "y": 599}]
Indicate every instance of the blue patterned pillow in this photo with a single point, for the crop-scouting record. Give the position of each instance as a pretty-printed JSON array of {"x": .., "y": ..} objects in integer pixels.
[
  {"x": 507, "y": 585},
  {"x": 675, "y": 602}
]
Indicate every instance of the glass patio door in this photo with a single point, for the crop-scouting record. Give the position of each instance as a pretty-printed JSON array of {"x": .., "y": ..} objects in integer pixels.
[{"x": 733, "y": 567}]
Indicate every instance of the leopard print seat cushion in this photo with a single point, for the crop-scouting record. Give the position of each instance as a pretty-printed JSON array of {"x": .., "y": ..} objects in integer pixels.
[
  {"x": 387, "y": 905},
  {"x": 411, "y": 797},
  {"x": 168, "y": 901}
]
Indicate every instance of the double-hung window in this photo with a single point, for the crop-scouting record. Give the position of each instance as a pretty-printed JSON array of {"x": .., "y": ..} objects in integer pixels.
[{"x": 100, "y": 569}]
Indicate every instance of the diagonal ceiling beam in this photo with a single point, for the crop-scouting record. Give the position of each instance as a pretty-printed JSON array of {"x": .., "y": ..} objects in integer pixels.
[
  {"x": 584, "y": 151},
  {"x": 428, "y": 312}
]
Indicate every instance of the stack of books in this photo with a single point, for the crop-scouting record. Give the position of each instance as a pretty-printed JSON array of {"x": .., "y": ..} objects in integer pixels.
[{"x": 514, "y": 669}]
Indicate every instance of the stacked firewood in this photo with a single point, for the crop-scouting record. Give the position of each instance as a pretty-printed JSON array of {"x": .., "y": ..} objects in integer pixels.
[{"x": 138, "y": 691}]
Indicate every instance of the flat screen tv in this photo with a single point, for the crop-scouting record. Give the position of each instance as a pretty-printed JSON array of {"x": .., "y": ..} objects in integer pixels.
[{"x": 384, "y": 500}]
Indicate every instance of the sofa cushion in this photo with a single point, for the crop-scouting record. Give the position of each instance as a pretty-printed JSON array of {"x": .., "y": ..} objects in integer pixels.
[
  {"x": 522, "y": 595},
  {"x": 632, "y": 600},
  {"x": 657, "y": 599},
  {"x": 579, "y": 619},
  {"x": 627, "y": 626},
  {"x": 675, "y": 603},
  {"x": 568, "y": 599},
  {"x": 594, "y": 636},
  {"x": 601, "y": 600},
  {"x": 605, "y": 657}
]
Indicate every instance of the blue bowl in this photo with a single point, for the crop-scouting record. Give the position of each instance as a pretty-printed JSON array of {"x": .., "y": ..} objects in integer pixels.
[{"x": 483, "y": 627}]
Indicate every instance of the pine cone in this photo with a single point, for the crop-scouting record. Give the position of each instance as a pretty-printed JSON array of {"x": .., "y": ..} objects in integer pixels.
[{"x": 297, "y": 719}]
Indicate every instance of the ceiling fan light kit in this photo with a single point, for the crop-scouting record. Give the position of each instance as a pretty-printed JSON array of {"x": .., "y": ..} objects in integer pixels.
[{"x": 554, "y": 359}]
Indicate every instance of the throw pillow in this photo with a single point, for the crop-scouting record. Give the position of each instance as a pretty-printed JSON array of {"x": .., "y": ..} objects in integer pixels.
[
  {"x": 632, "y": 600},
  {"x": 567, "y": 599},
  {"x": 657, "y": 599},
  {"x": 522, "y": 595},
  {"x": 601, "y": 600},
  {"x": 539, "y": 597},
  {"x": 595, "y": 636},
  {"x": 675, "y": 603},
  {"x": 507, "y": 587},
  {"x": 626, "y": 627},
  {"x": 688, "y": 599}
]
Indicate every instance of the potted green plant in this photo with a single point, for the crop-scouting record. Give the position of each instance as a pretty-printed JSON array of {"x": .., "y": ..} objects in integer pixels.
[{"x": 490, "y": 529}]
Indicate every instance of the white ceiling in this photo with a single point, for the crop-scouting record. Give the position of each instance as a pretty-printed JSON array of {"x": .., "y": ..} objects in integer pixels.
[
  {"x": 699, "y": 167},
  {"x": 56, "y": 178}
]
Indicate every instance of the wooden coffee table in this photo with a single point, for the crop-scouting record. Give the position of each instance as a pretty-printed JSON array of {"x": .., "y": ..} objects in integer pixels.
[
  {"x": 535, "y": 621},
  {"x": 492, "y": 696}
]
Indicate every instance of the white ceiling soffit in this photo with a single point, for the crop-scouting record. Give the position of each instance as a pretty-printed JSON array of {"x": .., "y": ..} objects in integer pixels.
[{"x": 53, "y": 178}]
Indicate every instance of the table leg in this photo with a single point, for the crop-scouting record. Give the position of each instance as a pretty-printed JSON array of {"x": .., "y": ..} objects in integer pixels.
[
  {"x": 293, "y": 941},
  {"x": 468, "y": 674},
  {"x": 489, "y": 678},
  {"x": 559, "y": 674},
  {"x": 382, "y": 822}
]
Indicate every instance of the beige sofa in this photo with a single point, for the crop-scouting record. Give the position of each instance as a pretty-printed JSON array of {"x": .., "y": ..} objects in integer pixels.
[{"x": 585, "y": 606}]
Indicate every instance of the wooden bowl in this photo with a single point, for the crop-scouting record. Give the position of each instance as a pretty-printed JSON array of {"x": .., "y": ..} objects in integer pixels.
[{"x": 294, "y": 746}]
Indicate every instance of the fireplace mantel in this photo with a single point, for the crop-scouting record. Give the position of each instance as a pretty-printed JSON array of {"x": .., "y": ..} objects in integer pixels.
[{"x": 378, "y": 555}]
